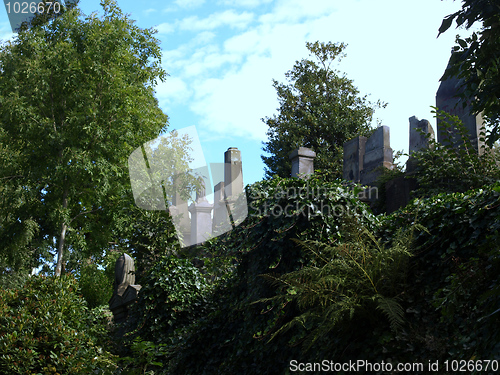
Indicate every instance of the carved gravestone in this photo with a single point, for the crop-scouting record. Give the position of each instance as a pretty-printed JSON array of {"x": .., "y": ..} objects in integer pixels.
[
  {"x": 421, "y": 133},
  {"x": 302, "y": 162},
  {"x": 124, "y": 289},
  {"x": 378, "y": 153},
  {"x": 447, "y": 100}
]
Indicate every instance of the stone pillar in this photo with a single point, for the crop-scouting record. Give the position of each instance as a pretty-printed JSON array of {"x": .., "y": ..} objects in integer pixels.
[
  {"x": 180, "y": 218},
  {"x": 124, "y": 289},
  {"x": 233, "y": 173},
  {"x": 201, "y": 217},
  {"x": 447, "y": 100},
  {"x": 221, "y": 222},
  {"x": 378, "y": 153},
  {"x": 354, "y": 151},
  {"x": 419, "y": 129},
  {"x": 302, "y": 162}
]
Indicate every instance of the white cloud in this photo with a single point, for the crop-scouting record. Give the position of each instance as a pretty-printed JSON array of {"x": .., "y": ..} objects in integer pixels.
[
  {"x": 150, "y": 10},
  {"x": 172, "y": 90},
  {"x": 215, "y": 20},
  {"x": 290, "y": 11},
  {"x": 165, "y": 28},
  {"x": 189, "y": 3},
  {"x": 243, "y": 3}
]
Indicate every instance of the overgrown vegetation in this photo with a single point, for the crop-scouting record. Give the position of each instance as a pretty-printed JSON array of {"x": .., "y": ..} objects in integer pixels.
[
  {"x": 46, "y": 328},
  {"x": 454, "y": 166}
]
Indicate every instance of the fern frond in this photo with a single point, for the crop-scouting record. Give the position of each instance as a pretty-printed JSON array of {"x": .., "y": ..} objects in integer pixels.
[{"x": 392, "y": 309}]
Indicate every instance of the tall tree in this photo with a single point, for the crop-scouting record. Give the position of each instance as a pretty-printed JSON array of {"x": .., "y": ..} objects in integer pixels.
[
  {"x": 76, "y": 98},
  {"x": 320, "y": 108},
  {"x": 477, "y": 60}
]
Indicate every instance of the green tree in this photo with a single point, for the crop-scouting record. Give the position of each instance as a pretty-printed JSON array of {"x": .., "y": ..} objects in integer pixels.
[
  {"x": 477, "y": 58},
  {"x": 76, "y": 98},
  {"x": 320, "y": 108}
]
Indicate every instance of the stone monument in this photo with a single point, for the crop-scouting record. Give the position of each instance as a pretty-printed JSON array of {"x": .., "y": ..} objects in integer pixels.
[
  {"x": 302, "y": 162},
  {"x": 125, "y": 291},
  {"x": 354, "y": 151},
  {"x": 421, "y": 133},
  {"x": 229, "y": 207},
  {"x": 201, "y": 216},
  {"x": 448, "y": 100},
  {"x": 378, "y": 153}
]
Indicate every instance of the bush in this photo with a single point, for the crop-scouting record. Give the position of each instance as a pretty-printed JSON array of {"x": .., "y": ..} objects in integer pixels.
[{"x": 46, "y": 328}]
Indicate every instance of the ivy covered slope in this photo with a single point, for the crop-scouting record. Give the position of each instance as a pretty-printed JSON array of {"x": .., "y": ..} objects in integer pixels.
[
  {"x": 234, "y": 331},
  {"x": 453, "y": 297},
  {"x": 312, "y": 274}
]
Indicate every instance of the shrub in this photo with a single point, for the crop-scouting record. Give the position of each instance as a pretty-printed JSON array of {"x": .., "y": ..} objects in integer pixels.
[{"x": 46, "y": 328}]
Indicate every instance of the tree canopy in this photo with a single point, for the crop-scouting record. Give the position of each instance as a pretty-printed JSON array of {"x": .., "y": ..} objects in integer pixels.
[
  {"x": 477, "y": 58},
  {"x": 320, "y": 108},
  {"x": 76, "y": 98}
]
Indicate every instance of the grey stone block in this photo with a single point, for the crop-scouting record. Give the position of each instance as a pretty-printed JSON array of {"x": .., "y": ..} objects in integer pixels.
[{"x": 302, "y": 162}]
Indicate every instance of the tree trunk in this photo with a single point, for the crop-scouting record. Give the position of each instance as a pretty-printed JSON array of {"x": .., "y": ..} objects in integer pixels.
[{"x": 62, "y": 237}]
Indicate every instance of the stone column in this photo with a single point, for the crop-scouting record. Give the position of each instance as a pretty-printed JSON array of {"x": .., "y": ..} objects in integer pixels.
[
  {"x": 302, "y": 162},
  {"x": 180, "y": 218},
  {"x": 419, "y": 129},
  {"x": 201, "y": 217},
  {"x": 378, "y": 153},
  {"x": 233, "y": 173},
  {"x": 221, "y": 222},
  {"x": 447, "y": 100},
  {"x": 354, "y": 151}
]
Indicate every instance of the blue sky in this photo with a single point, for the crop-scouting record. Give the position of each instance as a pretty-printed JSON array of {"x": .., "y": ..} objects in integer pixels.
[{"x": 222, "y": 55}]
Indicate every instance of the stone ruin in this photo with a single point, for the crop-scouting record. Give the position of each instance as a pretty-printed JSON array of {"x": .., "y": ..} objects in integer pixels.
[{"x": 364, "y": 157}]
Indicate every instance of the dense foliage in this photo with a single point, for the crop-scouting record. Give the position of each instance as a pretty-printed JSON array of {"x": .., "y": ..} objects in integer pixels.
[
  {"x": 46, "y": 328},
  {"x": 320, "y": 108},
  {"x": 233, "y": 331},
  {"x": 345, "y": 287},
  {"x": 67, "y": 129},
  {"x": 454, "y": 298}
]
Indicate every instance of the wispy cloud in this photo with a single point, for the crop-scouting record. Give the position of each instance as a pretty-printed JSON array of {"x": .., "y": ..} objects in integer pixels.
[
  {"x": 243, "y": 3},
  {"x": 149, "y": 11},
  {"x": 165, "y": 28},
  {"x": 215, "y": 20},
  {"x": 189, "y": 4}
]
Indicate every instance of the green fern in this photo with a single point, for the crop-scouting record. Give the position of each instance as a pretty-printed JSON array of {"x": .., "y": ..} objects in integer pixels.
[{"x": 358, "y": 275}]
